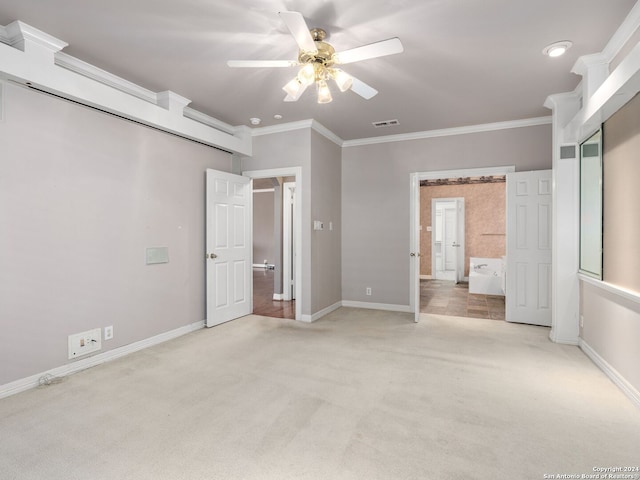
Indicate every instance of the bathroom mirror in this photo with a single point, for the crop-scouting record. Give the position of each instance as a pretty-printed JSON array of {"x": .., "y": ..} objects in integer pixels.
[{"x": 591, "y": 206}]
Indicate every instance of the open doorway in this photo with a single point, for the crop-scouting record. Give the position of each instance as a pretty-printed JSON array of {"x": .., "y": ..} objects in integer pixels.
[
  {"x": 273, "y": 247},
  {"x": 277, "y": 266},
  {"x": 482, "y": 238}
]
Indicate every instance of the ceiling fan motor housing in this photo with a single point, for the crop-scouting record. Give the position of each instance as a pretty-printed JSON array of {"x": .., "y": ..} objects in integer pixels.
[{"x": 325, "y": 53}]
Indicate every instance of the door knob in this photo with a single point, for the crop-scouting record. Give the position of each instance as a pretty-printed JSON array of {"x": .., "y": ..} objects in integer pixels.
[{"x": 212, "y": 256}]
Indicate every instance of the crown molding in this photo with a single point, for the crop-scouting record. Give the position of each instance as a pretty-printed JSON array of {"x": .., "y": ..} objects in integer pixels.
[
  {"x": 17, "y": 33},
  {"x": 31, "y": 57},
  {"x": 83, "y": 68},
  {"x": 170, "y": 100},
  {"x": 624, "y": 32},
  {"x": 325, "y": 132},
  {"x": 446, "y": 132},
  {"x": 86, "y": 69},
  {"x": 281, "y": 128},
  {"x": 209, "y": 120},
  {"x": 585, "y": 62},
  {"x": 4, "y": 36},
  {"x": 300, "y": 125}
]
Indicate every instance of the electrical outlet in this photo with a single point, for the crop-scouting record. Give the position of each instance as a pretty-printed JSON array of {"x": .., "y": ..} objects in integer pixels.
[
  {"x": 108, "y": 332},
  {"x": 581, "y": 321},
  {"x": 368, "y": 291},
  {"x": 86, "y": 342}
]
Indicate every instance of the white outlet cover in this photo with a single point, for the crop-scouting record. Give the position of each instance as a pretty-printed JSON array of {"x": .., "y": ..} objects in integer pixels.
[{"x": 108, "y": 332}]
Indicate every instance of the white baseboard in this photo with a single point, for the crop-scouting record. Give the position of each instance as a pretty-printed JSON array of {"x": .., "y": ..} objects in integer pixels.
[
  {"x": 628, "y": 389},
  {"x": 278, "y": 297},
  {"x": 378, "y": 306},
  {"x": 34, "y": 380},
  {"x": 321, "y": 313},
  {"x": 425, "y": 277},
  {"x": 563, "y": 340}
]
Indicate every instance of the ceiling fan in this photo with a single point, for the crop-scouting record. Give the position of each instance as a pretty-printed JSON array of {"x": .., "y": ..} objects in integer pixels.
[{"x": 318, "y": 61}]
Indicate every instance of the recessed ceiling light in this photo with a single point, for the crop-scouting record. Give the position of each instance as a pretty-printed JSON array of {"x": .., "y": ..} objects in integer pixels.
[
  {"x": 277, "y": 116},
  {"x": 255, "y": 121},
  {"x": 558, "y": 48}
]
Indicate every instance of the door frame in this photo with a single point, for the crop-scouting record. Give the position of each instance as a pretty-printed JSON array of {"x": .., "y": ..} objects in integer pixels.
[
  {"x": 414, "y": 213},
  {"x": 289, "y": 244},
  {"x": 295, "y": 172}
]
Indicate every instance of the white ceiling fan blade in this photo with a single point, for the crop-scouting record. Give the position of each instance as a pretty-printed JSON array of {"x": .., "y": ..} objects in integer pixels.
[
  {"x": 372, "y": 50},
  {"x": 362, "y": 89},
  {"x": 298, "y": 28},
  {"x": 289, "y": 98},
  {"x": 261, "y": 63}
]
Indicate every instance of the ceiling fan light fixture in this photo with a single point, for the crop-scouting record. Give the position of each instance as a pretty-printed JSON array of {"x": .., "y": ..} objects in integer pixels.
[
  {"x": 307, "y": 75},
  {"x": 316, "y": 59},
  {"x": 342, "y": 79},
  {"x": 294, "y": 88},
  {"x": 324, "y": 94}
]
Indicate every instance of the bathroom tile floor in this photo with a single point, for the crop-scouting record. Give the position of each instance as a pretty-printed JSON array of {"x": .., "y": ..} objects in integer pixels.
[{"x": 448, "y": 298}]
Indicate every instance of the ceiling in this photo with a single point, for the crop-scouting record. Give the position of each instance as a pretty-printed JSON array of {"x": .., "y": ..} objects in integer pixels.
[{"x": 465, "y": 62}]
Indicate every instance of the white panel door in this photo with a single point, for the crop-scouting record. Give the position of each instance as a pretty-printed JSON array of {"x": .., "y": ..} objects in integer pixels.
[
  {"x": 528, "y": 281},
  {"x": 447, "y": 244},
  {"x": 229, "y": 274},
  {"x": 450, "y": 232}
]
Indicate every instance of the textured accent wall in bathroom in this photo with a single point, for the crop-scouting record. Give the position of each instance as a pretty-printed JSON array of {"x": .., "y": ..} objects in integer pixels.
[{"x": 485, "y": 219}]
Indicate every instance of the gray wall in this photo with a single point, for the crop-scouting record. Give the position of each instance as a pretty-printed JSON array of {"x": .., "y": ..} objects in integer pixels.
[
  {"x": 376, "y": 199},
  {"x": 320, "y": 160},
  {"x": 326, "y": 188},
  {"x": 290, "y": 149},
  {"x": 81, "y": 196},
  {"x": 263, "y": 228}
]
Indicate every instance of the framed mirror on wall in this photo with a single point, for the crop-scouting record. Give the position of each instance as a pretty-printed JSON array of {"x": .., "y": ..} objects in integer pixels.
[{"x": 591, "y": 206}]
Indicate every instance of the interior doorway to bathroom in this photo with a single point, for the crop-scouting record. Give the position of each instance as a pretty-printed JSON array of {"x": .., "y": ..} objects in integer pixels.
[
  {"x": 485, "y": 234},
  {"x": 447, "y": 239}
]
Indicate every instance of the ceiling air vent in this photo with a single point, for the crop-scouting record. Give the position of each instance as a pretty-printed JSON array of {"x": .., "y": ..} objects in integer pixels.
[{"x": 386, "y": 123}]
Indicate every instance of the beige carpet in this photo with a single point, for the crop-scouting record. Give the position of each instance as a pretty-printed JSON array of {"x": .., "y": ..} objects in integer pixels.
[{"x": 359, "y": 394}]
